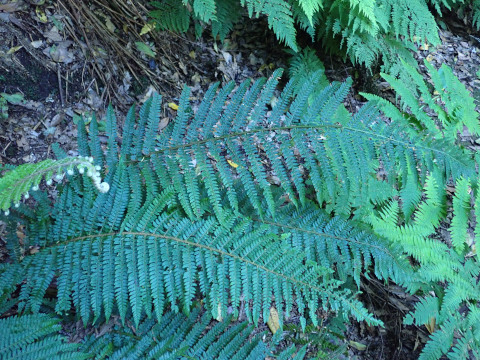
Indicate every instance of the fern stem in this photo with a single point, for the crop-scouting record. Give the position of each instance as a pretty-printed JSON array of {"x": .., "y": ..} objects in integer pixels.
[
  {"x": 295, "y": 127},
  {"x": 302, "y": 284}
]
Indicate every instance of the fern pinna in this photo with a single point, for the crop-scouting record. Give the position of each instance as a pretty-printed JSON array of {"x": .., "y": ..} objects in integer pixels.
[{"x": 229, "y": 204}]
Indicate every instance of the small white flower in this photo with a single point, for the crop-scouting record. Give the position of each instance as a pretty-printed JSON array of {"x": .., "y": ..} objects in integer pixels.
[
  {"x": 97, "y": 167},
  {"x": 7, "y": 212},
  {"x": 81, "y": 170},
  {"x": 104, "y": 187},
  {"x": 90, "y": 159},
  {"x": 35, "y": 188},
  {"x": 17, "y": 205},
  {"x": 58, "y": 177},
  {"x": 49, "y": 182},
  {"x": 70, "y": 171},
  {"x": 89, "y": 173},
  {"x": 27, "y": 195}
]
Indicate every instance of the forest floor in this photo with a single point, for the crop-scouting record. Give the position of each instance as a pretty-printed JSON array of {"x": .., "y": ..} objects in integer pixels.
[{"x": 55, "y": 68}]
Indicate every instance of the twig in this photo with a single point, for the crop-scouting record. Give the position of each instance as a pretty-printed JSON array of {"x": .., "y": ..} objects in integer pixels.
[{"x": 60, "y": 89}]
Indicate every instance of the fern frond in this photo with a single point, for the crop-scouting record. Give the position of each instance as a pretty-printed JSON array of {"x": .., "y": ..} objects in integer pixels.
[
  {"x": 279, "y": 16},
  {"x": 476, "y": 14},
  {"x": 177, "y": 336},
  {"x": 425, "y": 310},
  {"x": 310, "y": 7},
  {"x": 25, "y": 178},
  {"x": 35, "y": 337},
  {"x": 205, "y": 9},
  {"x": 457, "y": 271},
  {"x": 303, "y": 65},
  {"x": 228, "y": 13},
  {"x": 171, "y": 15},
  {"x": 413, "y": 19},
  {"x": 440, "y": 341},
  {"x": 300, "y": 132},
  {"x": 454, "y": 107},
  {"x": 219, "y": 206},
  {"x": 157, "y": 257}
]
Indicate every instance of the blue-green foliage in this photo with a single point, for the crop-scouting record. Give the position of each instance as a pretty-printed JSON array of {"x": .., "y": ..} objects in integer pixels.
[
  {"x": 35, "y": 337},
  {"x": 178, "y": 337},
  {"x": 248, "y": 204}
]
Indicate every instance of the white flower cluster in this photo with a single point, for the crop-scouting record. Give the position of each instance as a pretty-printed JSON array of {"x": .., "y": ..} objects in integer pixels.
[
  {"x": 84, "y": 164},
  {"x": 92, "y": 172}
]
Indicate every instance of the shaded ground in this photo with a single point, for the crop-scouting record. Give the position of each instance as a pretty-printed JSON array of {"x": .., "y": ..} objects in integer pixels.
[{"x": 64, "y": 70}]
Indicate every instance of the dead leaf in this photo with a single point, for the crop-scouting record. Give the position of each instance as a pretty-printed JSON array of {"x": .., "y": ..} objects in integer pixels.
[
  {"x": 11, "y": 6},
  {"x": 148, "y": 93},
  {"x": 227, "y": 56},
  {"x": 219, "y": 316},
  {"x": 463, "y": 57},
  {"x": 147, "y": 28},
  {"x": 273, "y": 321},
  {"x": 425, "y": 46},
  {"x": 173, "y": 106},
  {"x": 53, "y": 34},
  {"x": 60, "y": 54},
  {"x": 109, "y": 24},
  {"x": 357, "y": 345},
  {"x": 34, "y": 249},
  {"x": 232, "y": 164},
  {"x": 431, "y": 325},
  {"x": 14, "y": 49},
  {"x": 163, "y": 123},
  {"x": 36, "y": 44},
  {"x": 21, "y": 234},
  {"x": 23, "y": 143},
  {"x": 41, "y": 15}
]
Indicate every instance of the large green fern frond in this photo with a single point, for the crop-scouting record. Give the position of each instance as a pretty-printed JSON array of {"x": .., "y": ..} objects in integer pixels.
[
  {"x": 235, "y": 138},
  {"x": 171, "y": 14},
  {"x": 157, "y": 257}
]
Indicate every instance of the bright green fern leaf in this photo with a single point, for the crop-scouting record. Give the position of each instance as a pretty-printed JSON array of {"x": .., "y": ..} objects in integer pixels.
[{"x": 25, "y": 178}]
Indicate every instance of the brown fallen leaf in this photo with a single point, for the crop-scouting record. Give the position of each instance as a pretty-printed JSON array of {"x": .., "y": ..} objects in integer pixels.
[
  {"x": 11, "y": 6},
  {"x": 273, "y": 321}
]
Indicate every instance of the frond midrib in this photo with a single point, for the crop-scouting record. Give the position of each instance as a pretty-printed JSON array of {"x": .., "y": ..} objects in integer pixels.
[
  {"x": 331, "y": 295},
  {"x": 190, "y": 243},
  {"x": 340, "y": 127}
]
